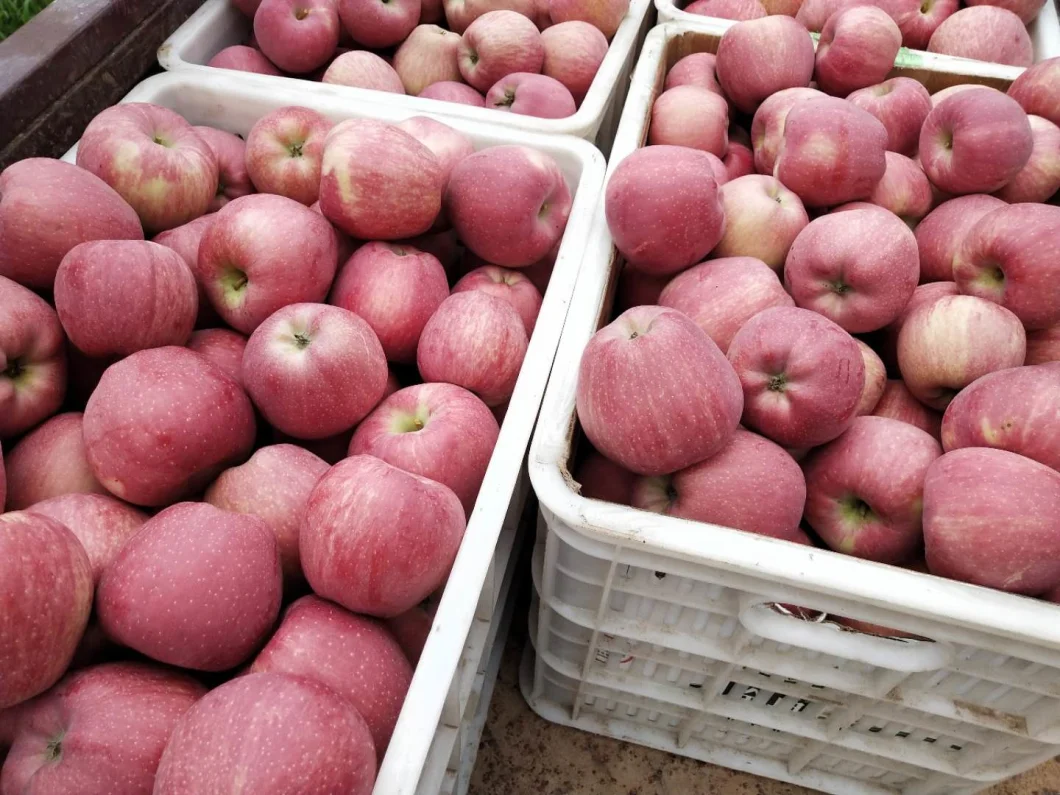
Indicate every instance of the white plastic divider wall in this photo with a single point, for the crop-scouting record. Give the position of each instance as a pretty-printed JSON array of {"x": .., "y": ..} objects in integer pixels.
[
  {"x": 1044, "y": 31},
  {"x": 436, "y": 737},
  {"x": 668, "y": 633},
  {"x": 219, "y": 24}
]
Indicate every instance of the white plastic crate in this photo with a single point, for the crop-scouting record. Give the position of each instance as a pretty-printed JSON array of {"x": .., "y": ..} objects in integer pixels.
[
  {"x": 434, "y": 743},
  {"x": 665, "y": 632},
  {"x": 1044, "y": 31},
  {"x": 219, "y": 24}
]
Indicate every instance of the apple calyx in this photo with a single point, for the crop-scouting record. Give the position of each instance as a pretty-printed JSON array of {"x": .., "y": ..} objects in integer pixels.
[
  {"x": 53, "y": 751},
  {"x": 295, "y": 148},
  {"x": 839, "y": 287},
  {"x": 856, "y": 509},
  {"x": 777, "y": 383},
  {"x": 15, "y": 369}
]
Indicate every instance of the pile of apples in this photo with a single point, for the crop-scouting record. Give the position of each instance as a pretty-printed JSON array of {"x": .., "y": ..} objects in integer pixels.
[
  {"x": 529, "y": 57},
  {"x": 861, "y": 341},
  {"x": 986, "y": 30},
  {"x": 260, "y": 506}
]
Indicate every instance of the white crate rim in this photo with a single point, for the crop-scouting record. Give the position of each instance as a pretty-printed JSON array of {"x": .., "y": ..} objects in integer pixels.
[
  {"x": 217, "y": 96},
  {"x": 175, "y": 54}
]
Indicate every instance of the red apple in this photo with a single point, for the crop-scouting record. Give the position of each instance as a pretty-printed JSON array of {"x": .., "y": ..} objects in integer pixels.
[
  {"x": 32, "y": 360},
  {"x": 273, "y": 485},
  {"x": 154, "y": 159},
  {"x": 1043, "y": 345},
  {"x": 49, "y": 462},
  {"x": 1010, "y": 258},
  {"x": 904, "y": 189},
  {"x": 901, "y": 104},
  {"x": 857, "y": 268},
  {"x": 975, "y": 141},
  {"x": 918, "y": 28},
  {"x": 767, "y": 126},
  {"x": 752, "y": 484},
  {"x": 221, "y": 347},
  {"x": 601, "y": 478},
  {"x": 760, "y": 57},
  {"x": 696, "y": 69},
  {"x": 1016, "y": 410},
  {"x": 727, "y": 9},
  {"x": 318, "y": 641},
  {"x": 655, "y": 393},
  {"x": 992, "y": 518},
  {"x": 363, "y": 69},
  {"x": 46, "y": 208},
  {"x": 509, "y": 204},
  {"x": 217, "y": 600},
  {"x": 172, "y": 394},
  {"x": 244, "y": 59},
  {"x": 690, "y": 116},
  {"x": 46, "y": 590},
  {"x": 762, "y": 219},
  {"x": 396, "y": 288},
  {"x": 403, "y": 177},
  {"x": 985, "y": 33},
  {"x": 1037, "y": 90},
  {"x": 663, "y": 209},
  {"x": 739, "y": 161},
  {"x": 1039, "y": 179},
  {"x": 248, "y": 275},
  {"x": 185, "y": 241},
  {"x": 452, "y": 91},
  {"x": 947, "y": 344},
  {"x": 831, "y": 152},
  {"x": 941, "y": 233},
  {"x": 923, "y": 294},
  {"x": 856, "y": 49},
  {"x": 813, "y": 14},
  {"x": 412, "y": 629},
  {"x": 606, "y": 15},
  {"x": 297, "y": 35},
  {"x": 284, "y": 153},
  {"x": 378, "y": 540},
  {"x": 875, "y": 379},
  {"x": 314, "y": 370},
  {"x": 720, "y": 295},
  {"x": 898, "y": 403},
  {"x": 476, "y": 341},
  {"x": 116, "y": 297},
  {"x": 530, "y": 94},
  {"x": 426, "y": 57},
  {"x": 439, "y": 431},
  {"x": 497, "y": 44},
  {"x": 100, "y": 730},
  {"x": 573, "y": 53},
  {"x": 802, "y": 376},
  {"x": 376, "y": 24},
  {"x": 101, "y": 523},
  {"x": 230, "y": 152},
  {"x": 269, "y": 734},
  {"x": 864, "y": 491},
  {"x": 508, "y": 285}
]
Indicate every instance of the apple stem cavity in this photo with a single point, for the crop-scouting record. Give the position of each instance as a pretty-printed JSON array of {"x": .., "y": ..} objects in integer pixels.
[
  {"x": 507, "y": 101},
  {"x": 234, "y": 282},
  {"x": 14, "y": 369},
  {"x": 301, "y": 13},
  {"x": 857, "y": 508}
]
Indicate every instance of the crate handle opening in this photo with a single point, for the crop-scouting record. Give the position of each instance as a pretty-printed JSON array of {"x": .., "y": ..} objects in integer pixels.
[{"x": 897, "y": 654}]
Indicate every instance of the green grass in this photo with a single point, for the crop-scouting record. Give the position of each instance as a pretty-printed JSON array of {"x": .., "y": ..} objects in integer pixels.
[{"x": 16, "y": 13}]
